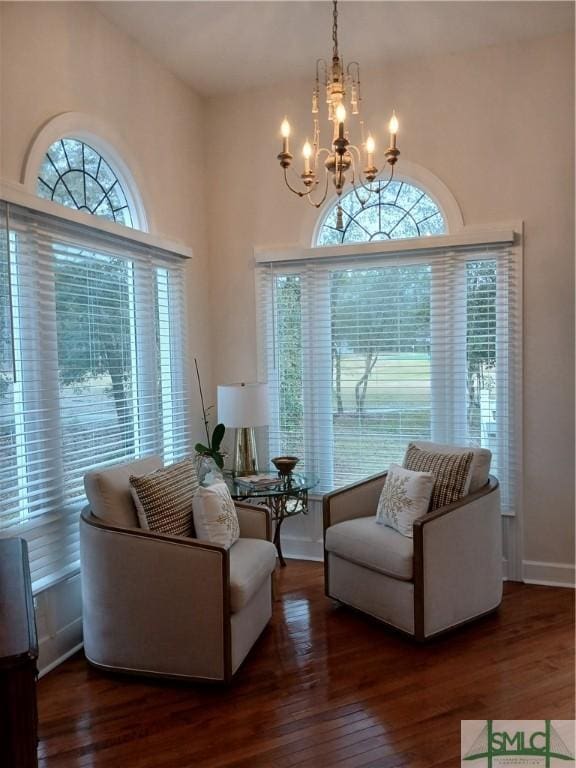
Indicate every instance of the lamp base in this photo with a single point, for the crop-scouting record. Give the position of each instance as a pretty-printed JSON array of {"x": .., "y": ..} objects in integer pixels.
[{"x": 245, "y": 457}]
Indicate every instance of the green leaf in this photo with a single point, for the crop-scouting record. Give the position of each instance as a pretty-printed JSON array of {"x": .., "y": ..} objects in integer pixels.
[
  {"x": 199, "y": 448},
  {"x": 218, "y": 436},
  {"x": 219, "y": 459}
]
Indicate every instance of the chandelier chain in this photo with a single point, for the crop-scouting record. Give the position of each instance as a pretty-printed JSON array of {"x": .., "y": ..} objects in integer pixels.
[{"x": 335, "y": 30}]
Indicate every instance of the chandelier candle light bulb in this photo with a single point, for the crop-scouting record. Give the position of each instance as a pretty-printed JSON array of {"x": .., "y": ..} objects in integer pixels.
[
  {"x": 370, "y": 147},
  {"x": 285, "y": 131},
  {"x": 393, "y": 128},
  {"x": 342, "y": 87},
  {"x": 307, "y": 152}
]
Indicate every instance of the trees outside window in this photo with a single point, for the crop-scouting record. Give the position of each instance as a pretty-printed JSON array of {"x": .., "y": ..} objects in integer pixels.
[{"x": 77, "y": 176}]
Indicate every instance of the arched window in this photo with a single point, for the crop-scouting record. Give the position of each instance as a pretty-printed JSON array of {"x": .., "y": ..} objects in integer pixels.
[
  {"x": 74, "y": 174},
  {"x": 391, "y": 211}
]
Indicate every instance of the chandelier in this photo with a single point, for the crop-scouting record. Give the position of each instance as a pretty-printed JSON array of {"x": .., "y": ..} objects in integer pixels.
[{"x": 342, "y": 156}]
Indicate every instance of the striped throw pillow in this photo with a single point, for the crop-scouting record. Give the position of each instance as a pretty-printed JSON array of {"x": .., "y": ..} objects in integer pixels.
[
  {"x": 163, "y": 498},
  {"x": 451, "y": 473}
]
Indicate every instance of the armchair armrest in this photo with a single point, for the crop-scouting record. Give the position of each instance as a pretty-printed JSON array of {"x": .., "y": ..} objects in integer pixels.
[
  {"x": 355, "y": 500},
  {"x": 458, "y": 561},
  {"x": 254, "y": 521},
  {"x": 136, "y": 583}
]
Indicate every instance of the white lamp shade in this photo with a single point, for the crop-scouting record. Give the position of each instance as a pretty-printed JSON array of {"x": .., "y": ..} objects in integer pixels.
[{"x": 243, "y": 405}]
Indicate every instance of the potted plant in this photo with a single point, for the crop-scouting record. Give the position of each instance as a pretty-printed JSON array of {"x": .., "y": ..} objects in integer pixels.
[{"x": 209, "y": 454}]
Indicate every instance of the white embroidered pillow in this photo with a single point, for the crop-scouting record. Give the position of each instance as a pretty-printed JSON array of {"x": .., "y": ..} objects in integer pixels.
[
  {"x": 405, "y": 497},
  {"x": 215, "y": 518}
]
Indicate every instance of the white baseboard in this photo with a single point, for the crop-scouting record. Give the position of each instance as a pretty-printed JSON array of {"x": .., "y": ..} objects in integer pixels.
[
  {"x": 58, "y": 622},
  {"x": 55, "y": 649},
  {"x": 549, "y": 574},
  {"x": 59, "y": 660},
  {"x": 302, "y": 549}
]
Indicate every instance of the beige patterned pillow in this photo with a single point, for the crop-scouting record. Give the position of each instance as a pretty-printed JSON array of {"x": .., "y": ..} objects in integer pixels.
[
  {"x": 405, "y": 497},
  {"x": 215, "y": 517},
  {"x": 451, "y": 473},
  {"x": 163, "y": 498}
]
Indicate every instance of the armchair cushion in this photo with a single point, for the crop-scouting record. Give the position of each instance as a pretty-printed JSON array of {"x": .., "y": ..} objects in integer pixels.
[
  {"x": 163, "y": 498},
  {"x": 108, "y": 490},
  {"x": 364, "y": 542},
  {"x": 480, "y": 468},
  {"x": 251, "y": 563}
]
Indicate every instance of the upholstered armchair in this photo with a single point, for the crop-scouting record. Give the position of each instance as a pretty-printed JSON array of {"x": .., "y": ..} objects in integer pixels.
[
  {"x": 169, "y": 605},
  {"x": 448, "y": 574}
]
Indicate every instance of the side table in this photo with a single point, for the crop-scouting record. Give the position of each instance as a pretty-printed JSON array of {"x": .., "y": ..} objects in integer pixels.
[{"x": 286, "y": 498}]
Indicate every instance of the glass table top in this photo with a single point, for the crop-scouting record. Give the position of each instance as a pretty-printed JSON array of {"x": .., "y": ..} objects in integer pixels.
[{"x": 285, "y": 485}]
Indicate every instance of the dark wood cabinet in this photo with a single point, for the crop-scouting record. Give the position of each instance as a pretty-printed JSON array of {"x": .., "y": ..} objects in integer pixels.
[{"x": 18, "y": 657}]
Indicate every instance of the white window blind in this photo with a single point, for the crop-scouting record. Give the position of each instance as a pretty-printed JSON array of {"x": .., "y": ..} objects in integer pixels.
[
  {"x": 365, "y": 354},
  {"x": 92, "y": 367}
]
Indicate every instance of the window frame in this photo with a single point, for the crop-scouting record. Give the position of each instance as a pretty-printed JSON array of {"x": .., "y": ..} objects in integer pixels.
[
  {"x": 127, "y": 192},
  {"x": 38, "y": 376},
  {"x": 351, "y": 218},
  {"x": 512, "y": 233}
]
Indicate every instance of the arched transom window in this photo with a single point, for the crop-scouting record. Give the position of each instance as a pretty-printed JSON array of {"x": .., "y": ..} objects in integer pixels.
[
  {"x": 390, "y": 211},
  {"x": 74, "y": 174}
]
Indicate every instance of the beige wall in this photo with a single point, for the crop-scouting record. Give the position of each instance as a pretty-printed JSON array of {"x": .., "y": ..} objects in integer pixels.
[
  {"x": 67, "y": 57},
  {"x": 496, "y": 125}
]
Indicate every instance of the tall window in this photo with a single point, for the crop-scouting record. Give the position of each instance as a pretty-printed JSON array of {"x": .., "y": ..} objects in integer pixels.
[
  {"x": 92, "y": 357},
  {"x": 77, "y": 176},
  {"x": 390, "y": 211},
  {"x": 367, "y": 353}
]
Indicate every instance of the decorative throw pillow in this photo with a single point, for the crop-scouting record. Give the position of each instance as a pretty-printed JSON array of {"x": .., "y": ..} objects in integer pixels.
[
  {"x": 451, "y": 473},
  {"x": 405, "y": 496},
  {"x": 480, "y": 468},
  {"x": 163, "y": 498},
  {"x": 215, "y": 517}
]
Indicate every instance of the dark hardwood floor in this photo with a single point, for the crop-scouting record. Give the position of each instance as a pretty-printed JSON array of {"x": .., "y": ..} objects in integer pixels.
[{"x": 324, "y": 686}]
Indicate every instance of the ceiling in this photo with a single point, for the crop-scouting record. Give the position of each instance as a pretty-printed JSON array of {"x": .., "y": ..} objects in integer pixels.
[{"x": 219, "y": 47}]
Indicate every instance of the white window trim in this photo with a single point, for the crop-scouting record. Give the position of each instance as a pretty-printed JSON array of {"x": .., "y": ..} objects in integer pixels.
[
  {"x": 490, "y": 235},
  {"x": 13, "y": 192}
]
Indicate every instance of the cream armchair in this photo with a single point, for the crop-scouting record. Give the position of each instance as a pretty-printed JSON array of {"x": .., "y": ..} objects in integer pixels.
[
  {"x": 169, "y": 605},
  {"x": 448, "y": 574}
]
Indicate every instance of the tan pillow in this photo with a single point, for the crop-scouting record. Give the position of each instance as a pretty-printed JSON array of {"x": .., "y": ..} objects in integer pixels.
[
  {"x": 215, "y": 517},
  {"x": 451, "y": 473},
  {"x": 163, "y": 498},
  {"x": 480, "y": 468}
]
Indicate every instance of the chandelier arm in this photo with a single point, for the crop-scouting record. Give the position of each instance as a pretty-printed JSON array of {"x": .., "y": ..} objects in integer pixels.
[
  {"x": 360, "y": 200},
  {"x": 361, "y": 181},
  {"x": 323, "y": 198},
  {"x": 292, "y": 189},
  {"x": 319, "y": 151},
  {"x": 391, "y": 177},
  {"x": 353, "y": 180}
]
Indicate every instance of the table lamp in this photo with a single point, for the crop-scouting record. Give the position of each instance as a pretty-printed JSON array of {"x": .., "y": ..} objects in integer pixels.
[{"x": 243, "y": 406}]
